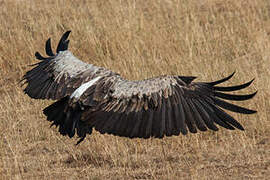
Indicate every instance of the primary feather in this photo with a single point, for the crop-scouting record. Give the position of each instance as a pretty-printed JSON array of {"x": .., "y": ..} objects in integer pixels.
[{"x": 94, "y": 97}]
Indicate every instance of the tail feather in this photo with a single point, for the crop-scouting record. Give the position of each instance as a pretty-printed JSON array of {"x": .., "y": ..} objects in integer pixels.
[
  {"x": 64, "y": 117},
  {"x": 67, "y": 119},
  {"x": 56, "y": 109},
  {"x": 71, "y": 121}
]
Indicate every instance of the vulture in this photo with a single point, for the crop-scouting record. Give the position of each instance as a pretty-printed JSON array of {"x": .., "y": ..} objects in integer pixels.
[{"x": 88, "y": 96}]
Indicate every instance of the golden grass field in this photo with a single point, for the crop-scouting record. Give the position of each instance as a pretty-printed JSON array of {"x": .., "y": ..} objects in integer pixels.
[{"x": 138, "y": 39}]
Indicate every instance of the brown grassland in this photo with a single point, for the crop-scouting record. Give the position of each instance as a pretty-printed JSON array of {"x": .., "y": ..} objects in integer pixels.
[{"x": 138, "y": 39}]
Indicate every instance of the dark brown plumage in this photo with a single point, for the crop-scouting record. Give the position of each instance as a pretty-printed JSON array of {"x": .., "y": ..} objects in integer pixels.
[{"x": 93, "y": 97}]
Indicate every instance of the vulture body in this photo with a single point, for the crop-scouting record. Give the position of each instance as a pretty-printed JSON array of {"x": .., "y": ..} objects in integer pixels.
[{"x": 93, "y": 97}]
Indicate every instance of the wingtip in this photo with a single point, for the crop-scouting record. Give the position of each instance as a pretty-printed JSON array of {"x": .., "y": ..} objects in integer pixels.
[
  {"x": 230, "y": 76},
  {"x": 252, "y": 111},
  {"x": 38, "y": 56},
  {"x": 233, "y": 88},
  {"x": 250, "y": 82},
  {"x": 48, "y": 48},
  {"x": 250, "y": 96},
  {"x": 254, "y": 93},
  {"x": 241, "y": 128},
  {"x": 63, "y": 43},
  {"x": 221, "y": 80},
  {"x": 66, "y": 34}
]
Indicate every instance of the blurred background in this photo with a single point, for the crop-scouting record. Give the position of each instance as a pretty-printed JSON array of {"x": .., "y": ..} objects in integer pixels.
[{"x": 138, "y": 39}]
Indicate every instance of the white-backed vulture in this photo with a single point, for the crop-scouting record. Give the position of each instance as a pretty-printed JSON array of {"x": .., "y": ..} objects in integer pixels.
[{"x": 94, "y": 97}]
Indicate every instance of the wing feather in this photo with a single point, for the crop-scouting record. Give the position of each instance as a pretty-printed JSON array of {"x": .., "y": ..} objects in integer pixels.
[
  {"x": 162, "y": 127},
  {"x": 156, "y": 122},
  {"x": 175, "y": 120},
  {"x": 205, "y": 116},
  {"x": 215, "y": 118},
  {"x": 189, "y": 117},
  {"x": 172, "y": 106},
  {"x": 136, "y": 125},
  {"x": 181, "y": 119},
  {"x": 235, "y": 97},
  {"x": 197, "y": 117},
  {"x": 169, "y": 121},
  {"x": 48, "y": 48},
  {"x": 131, "y": 123},
  {"x": 149, "y": 123},
  {"x": 232, "y": 107},
  {"x": 233, "y": 88}
]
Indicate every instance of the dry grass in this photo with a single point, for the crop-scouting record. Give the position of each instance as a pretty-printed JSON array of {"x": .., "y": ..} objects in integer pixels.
[{"x": 139, "y": 39}]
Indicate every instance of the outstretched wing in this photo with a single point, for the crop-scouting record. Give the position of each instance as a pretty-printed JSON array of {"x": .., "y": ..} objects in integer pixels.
[
  {"x": 60, "y": 74},
  {"x": 165, "y": 106}
]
